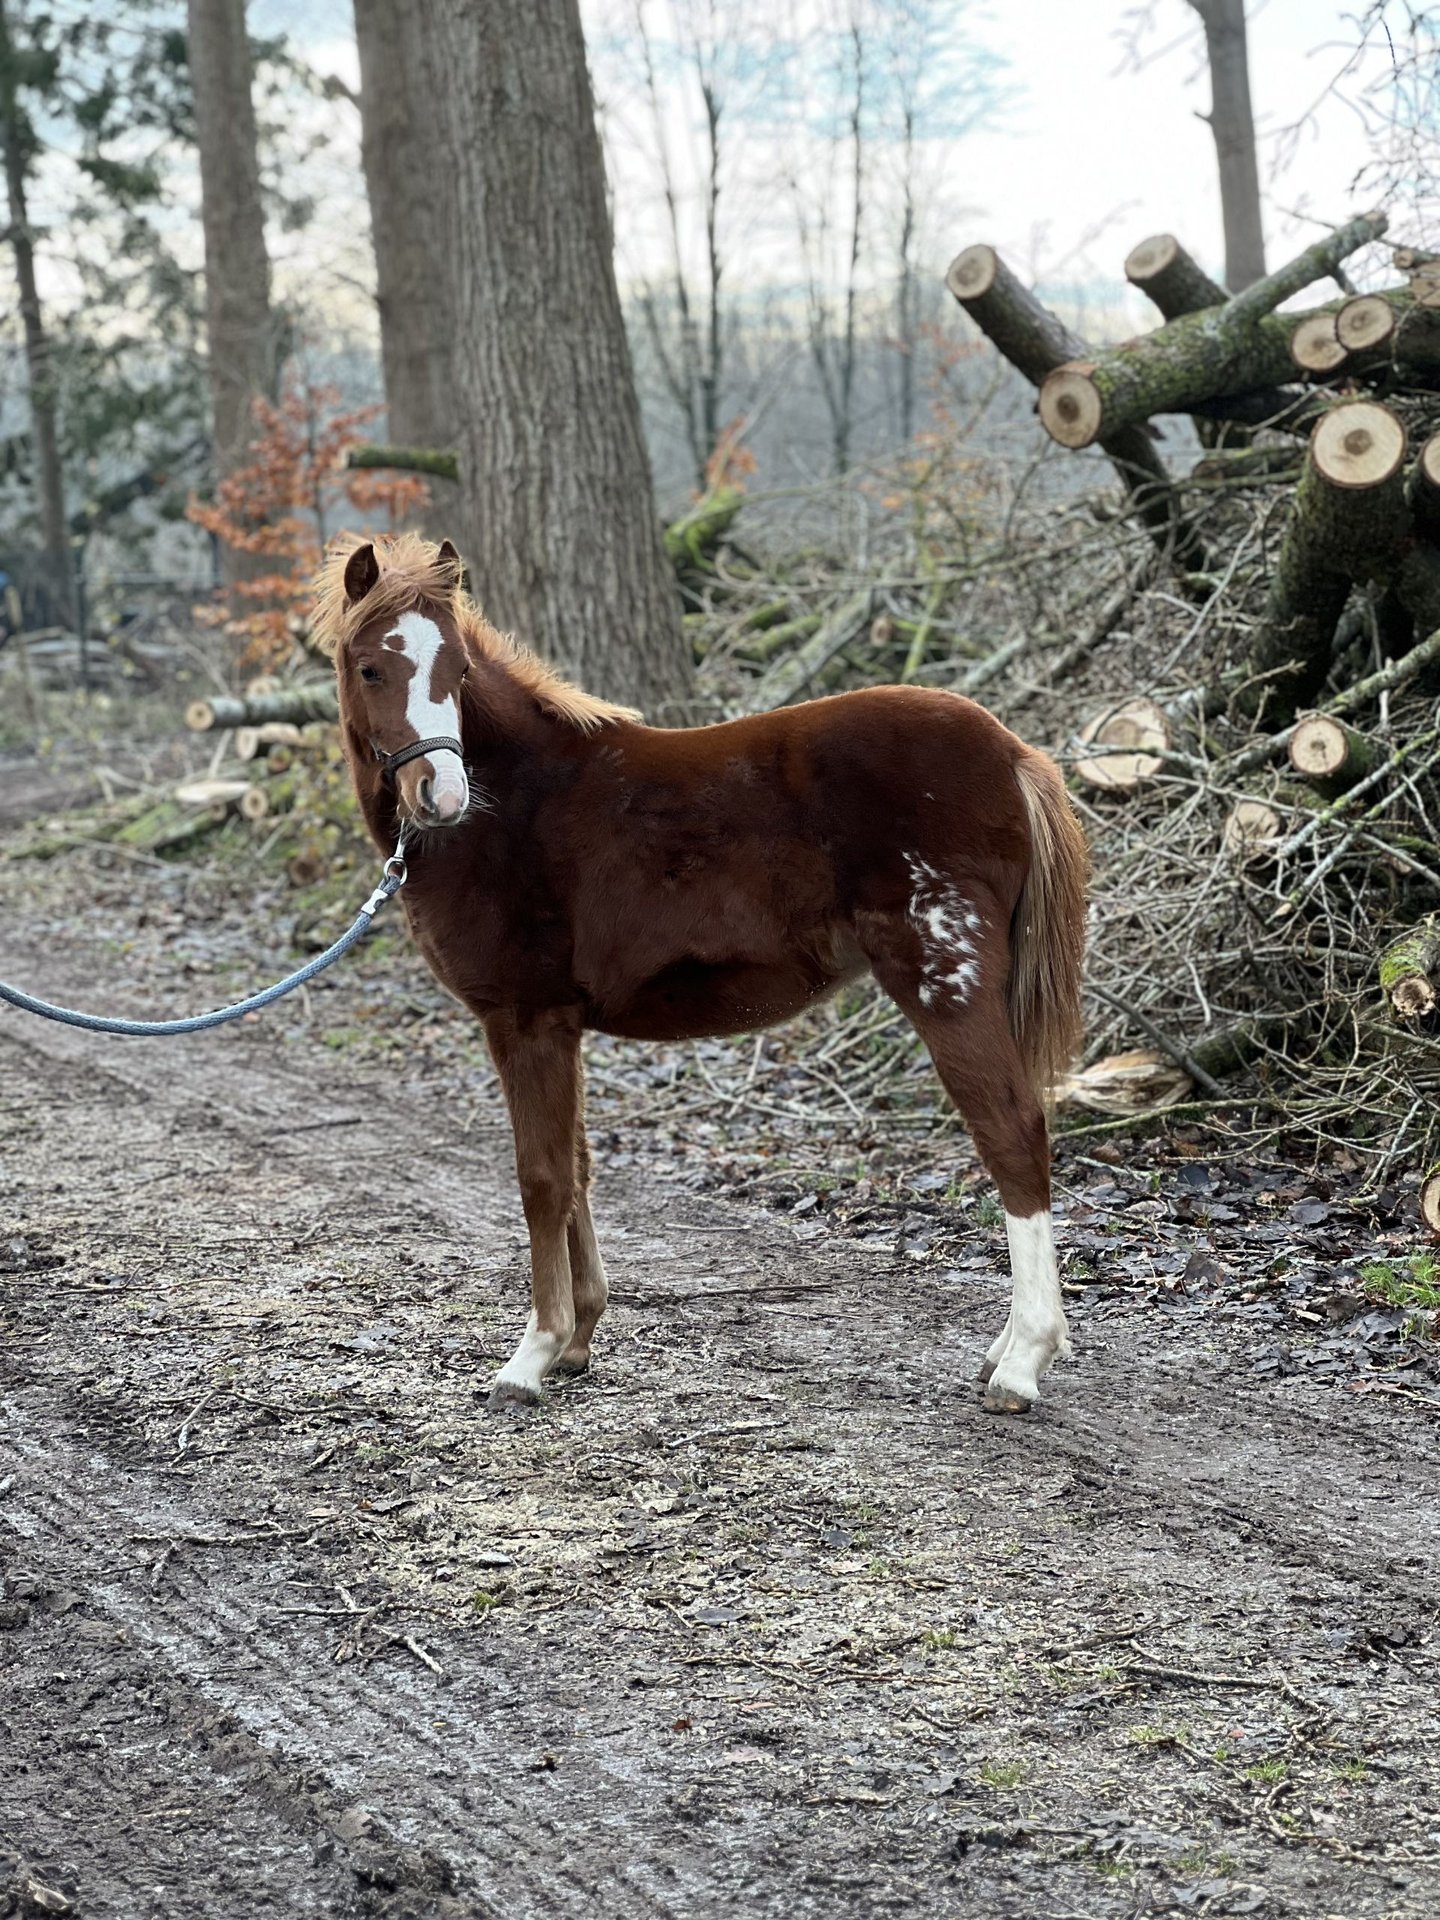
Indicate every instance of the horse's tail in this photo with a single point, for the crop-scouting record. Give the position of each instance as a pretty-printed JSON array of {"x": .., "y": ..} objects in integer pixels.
[{"x": 1047, "y": 936}]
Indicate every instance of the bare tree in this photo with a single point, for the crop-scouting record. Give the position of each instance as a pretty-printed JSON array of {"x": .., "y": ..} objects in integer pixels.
[
  {"x": 1233, "y": 125},
  {"x": 242, "y": 336},
  {"x": 399, "y": 152},
  {"x": 683, "y": 310},
  {"x": 556, "y": 516},
  {"x": 831, "y": 311},
  {"x": 17, "y": 140}
]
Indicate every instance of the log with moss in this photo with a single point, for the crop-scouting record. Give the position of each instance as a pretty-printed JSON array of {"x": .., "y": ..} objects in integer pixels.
[
  {"x": 1199, "y": 357},
  {"x": 1423, "y": 490},
  {"x": 296, "y": 704},
  {"x": 795, "y": 676},
  {"x": 1035, "y": 342},
  {"x": 1330, "y": 756},
  {"x": 1161, "y": 268},
  {"x": 1409, "y": 970},
  {"x": 691, "y": 540},
  {"x": 436, "y": 463},
  {"x": 1348, "y": 522}
]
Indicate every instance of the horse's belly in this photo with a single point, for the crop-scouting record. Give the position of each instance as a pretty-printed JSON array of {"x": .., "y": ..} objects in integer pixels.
[{"x": 695, "y": 998}]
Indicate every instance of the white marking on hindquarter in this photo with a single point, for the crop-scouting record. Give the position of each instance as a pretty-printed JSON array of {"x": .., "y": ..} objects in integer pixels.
[
  {"x": 949, "y": 928},
  {"x": 420, "y": 642}
]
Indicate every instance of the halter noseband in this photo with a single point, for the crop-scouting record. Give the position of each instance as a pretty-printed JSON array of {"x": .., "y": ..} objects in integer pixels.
[{"x": 416, "y": 750}]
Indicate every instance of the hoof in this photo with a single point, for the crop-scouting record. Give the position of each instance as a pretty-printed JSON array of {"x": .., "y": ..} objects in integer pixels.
[
  {"x": 987, "y": 1367},
  {"x": 1007, "y": 1400},
  {"x": 573, "y": 1362},
  {"x": 506, "y": 1394}
]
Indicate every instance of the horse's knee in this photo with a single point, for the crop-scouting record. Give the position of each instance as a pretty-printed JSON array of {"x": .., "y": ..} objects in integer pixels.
[{"x": 548, "y": 1195}]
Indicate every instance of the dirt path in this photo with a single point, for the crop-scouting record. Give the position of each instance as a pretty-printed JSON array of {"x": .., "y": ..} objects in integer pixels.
[{"x": 765, "y": 1617}]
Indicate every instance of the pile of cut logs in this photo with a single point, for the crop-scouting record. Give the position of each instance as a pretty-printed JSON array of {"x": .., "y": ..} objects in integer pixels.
[
  {"x": 1314, "y": 727},
  {"x": 1346, "y": 374}
]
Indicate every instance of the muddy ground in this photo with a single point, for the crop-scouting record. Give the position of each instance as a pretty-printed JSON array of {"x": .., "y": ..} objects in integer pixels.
[{"x": 765, "y": 1616}]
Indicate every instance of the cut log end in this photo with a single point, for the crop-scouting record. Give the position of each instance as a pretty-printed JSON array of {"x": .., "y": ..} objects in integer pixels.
[
  {"x": 1319, "y": 747},
  {"x": 254, "y": 803},
  {"x": 1252, "y": 829},
  {"x": 1430, "y": 1200},
  {"x": 1429, "y": 461},
  {"x": 1134, "y": 737},
  {"x": 1071, "y": 409},
  {"x": 1367, "y": 321},
  {"x": 1360, "y": 444},
  {"x": 200, "y": 716},
  {"x": 973, "y": 272},
  {"x": 1413, "y": 996},
  {"x": 1150, "y": 258},
  {"x": 1314, "y": 345}
]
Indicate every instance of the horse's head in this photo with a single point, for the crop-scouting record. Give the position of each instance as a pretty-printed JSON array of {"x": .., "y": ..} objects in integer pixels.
[{"x": 401, "y": 671}]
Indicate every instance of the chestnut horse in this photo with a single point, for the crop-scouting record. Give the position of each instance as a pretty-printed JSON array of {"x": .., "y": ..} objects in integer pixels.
[{"x": 582, "y": 870}]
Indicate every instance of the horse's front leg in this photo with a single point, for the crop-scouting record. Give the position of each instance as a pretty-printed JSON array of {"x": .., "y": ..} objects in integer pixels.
[
  {"x": 588, "y": 1286},
  {"x": 538, "y": 1059}
]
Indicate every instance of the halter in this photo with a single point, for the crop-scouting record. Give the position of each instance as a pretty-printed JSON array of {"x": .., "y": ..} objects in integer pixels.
[{"x": 416, "y": 750}]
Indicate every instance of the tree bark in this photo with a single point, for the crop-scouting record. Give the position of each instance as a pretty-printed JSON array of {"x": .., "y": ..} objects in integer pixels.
[
  {"x": 241, "y": 333},
  {"x": 399, "y": 153},
  {"x": 1036, "y": 342},
  {"x": 556, "y": 516},
  {"x": 1233, "y": 125},
  {"x": 49, "y": 475}
]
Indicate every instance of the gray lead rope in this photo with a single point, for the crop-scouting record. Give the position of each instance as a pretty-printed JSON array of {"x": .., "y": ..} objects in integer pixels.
[{"x": 393, "y": 879}]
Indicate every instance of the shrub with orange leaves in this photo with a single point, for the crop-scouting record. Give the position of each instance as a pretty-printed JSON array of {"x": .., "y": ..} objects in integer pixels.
[
  {"x": 941, "y": 484},
  {"x": 282, "y": 505},
  {"x": 731, "y": 462}
]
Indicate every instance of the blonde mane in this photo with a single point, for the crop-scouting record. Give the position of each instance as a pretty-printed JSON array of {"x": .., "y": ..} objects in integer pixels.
[{"x": 412, "y": 572}]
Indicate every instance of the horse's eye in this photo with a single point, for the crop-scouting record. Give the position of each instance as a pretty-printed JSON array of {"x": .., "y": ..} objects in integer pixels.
[{"x": 371, "y": 675}]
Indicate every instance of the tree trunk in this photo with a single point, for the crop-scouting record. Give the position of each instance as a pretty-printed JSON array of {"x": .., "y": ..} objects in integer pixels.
[
  {"x": 241, "y": 333},
  {"x": 398, "y": 148},
  {"x": 556, "y": 516},
  {"x": 49, "y": 477},
  {"x": 1233, "y": 125}
]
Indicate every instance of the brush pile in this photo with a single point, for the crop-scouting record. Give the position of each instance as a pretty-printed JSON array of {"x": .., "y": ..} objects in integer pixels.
[{"x": 1237, "y": 659}]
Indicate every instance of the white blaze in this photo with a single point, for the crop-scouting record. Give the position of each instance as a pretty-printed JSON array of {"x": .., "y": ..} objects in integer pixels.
[{"x": 420, "y": 642}]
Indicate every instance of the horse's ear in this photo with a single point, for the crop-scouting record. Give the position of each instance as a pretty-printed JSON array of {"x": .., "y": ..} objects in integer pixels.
[
  {"x": 448, "y": 559},
  {"x": 362, "y": 570}
]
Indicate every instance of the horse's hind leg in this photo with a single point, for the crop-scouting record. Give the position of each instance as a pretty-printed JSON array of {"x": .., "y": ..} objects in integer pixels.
[
  {"x": 980, "y": 1066},
  {"x": 589, "y": 1287},
  {"x": 539, "y": 1065}
]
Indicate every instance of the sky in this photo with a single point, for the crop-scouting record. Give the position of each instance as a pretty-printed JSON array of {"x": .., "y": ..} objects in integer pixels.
[
  {"x": 1094, "y": 152},
  {"x": 1095, "y": 144}
]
